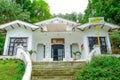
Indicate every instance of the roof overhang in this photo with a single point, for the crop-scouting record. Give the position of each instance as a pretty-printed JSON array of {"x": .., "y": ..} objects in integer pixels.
[
  {"x": 18, "y": 23},
  {"x": 87, "y": 25},
  {"x": 57, "y": 20}
]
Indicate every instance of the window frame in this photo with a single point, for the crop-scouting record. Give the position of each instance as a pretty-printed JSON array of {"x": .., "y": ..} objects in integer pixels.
[
  {"x": 103, "y": 47},
  {"x": 15, "y": 41}
]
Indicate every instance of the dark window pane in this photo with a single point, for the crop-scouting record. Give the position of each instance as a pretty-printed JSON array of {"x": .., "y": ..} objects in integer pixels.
[
  {"x": 93, "y": 41},
  {"x": 14, "y": 42}
]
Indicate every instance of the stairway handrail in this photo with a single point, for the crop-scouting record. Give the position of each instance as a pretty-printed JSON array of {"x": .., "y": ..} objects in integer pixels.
[
  {"x": 91, "y": 54},
  {"x": 96, "y": 51},
  {"x": 24, "y": 55}
]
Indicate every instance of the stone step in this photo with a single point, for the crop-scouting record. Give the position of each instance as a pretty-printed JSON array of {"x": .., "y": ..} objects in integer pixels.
[
  {"x": 59, "y": 63},
  {"x": 55, "y": 70},
  {"x": 51, "y": 72},
  {"x": 56, "y": 66},
  {"x": 53, "y": 78}
]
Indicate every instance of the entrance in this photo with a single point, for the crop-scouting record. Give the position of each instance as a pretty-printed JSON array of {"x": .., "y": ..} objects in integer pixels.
[{"x": 58, "y": 52}]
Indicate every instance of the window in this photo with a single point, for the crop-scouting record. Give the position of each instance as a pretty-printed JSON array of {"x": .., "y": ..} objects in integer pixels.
[
  {"x": 44, "y": 51},
  {"x": 94, "y": 40},
  {"x": 14, "y": 42},
  {"x": 71, "y": 51}
]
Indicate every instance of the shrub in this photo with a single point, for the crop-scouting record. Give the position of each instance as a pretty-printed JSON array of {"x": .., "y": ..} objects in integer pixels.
[
  {"x": 100, "y": 68},
  {"x": 20, "y": 70},
  {"x": 20, "y": 67}
]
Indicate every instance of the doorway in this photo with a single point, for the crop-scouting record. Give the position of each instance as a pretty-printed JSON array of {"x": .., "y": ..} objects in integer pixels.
[{"x": 57, "y": 52}]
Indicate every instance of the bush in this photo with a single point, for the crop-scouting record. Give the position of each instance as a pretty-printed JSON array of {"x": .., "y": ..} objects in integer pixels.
[
  {"x": 116, "y": 51},
  {"x": 20, "y": 68},
  {"x": 100, "y": 68}
]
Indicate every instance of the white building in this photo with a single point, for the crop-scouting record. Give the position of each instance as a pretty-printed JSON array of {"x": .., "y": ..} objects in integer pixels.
[{"x": 55, "y": 39}]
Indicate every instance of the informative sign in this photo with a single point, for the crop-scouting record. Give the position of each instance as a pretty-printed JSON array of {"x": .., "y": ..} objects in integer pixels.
[
  {"x": 57, "y": 41},
  {"x": 96, "y": 20}
]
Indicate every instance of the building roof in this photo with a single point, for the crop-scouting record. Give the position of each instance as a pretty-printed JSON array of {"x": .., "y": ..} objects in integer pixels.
[
  {"x": 44, "y": 24},
  {"x": 18, "y": 23},
  {"x": 69, "y": 24},
  {"x": 56, "y": 20},
  {"x": 111, "y": 26}
]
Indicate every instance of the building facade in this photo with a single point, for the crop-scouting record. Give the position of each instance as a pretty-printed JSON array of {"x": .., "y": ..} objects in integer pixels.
[{"x": 56, "y": 39}]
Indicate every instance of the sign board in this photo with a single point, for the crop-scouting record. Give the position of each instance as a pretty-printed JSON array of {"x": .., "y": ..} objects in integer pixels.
[
  {"x": 96, "y": 20},
  {"x": 57, "y": 41}
]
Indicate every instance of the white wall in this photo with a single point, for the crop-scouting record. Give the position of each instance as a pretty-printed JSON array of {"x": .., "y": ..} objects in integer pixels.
[
  {"x": 103, "y": 32},
  {"x": 45, "y": 38},
  {"x": 18, "y": 32}
]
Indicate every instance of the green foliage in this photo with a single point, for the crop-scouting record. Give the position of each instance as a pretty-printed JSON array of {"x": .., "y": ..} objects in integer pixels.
[
  {"x": 115, "y": 41},
  {"x": 39, "y": 9},
  {"x": 20, "y": 67},
  {"x": 77, "y": 52},
  {"x": 23, "y": 10},
  {"x": 2, "y": 40},
  {"x": 100, "y": 68},
  {"x": 11, "y": 69},
  {"x": 10, "y": 10},
  {"x": 31, "y": 52},
  {"x": 110, "y": 9}
]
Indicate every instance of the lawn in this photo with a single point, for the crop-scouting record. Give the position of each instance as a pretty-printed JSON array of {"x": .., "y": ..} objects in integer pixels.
[{"x": 11, "y": 69}]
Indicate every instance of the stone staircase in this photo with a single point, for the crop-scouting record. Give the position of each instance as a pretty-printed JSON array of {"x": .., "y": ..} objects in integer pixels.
[{"x": 55, "y": 70}]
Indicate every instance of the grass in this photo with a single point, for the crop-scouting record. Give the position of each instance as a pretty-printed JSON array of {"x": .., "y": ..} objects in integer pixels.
[{"x": 11, "y": 69}]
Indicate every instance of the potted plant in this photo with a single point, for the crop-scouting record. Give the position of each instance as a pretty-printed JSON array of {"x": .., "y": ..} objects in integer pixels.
[
  {"x": 75, "y": 53},
  {"x": 31, "y": 52}
]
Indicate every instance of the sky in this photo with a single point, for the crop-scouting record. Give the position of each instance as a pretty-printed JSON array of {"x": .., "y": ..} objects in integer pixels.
[{"x": 67, "y": 6}]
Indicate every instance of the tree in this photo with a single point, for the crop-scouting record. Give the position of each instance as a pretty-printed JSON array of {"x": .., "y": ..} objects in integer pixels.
[
  {"x": 109, "y": 9},
  {"x": 25, "y": 10},
  {"x": 10, "y": 10},
  {"x": 39, "y": 9}
]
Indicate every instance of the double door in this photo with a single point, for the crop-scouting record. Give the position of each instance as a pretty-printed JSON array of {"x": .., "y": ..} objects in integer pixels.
[{"x": 58, "y": 52}]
